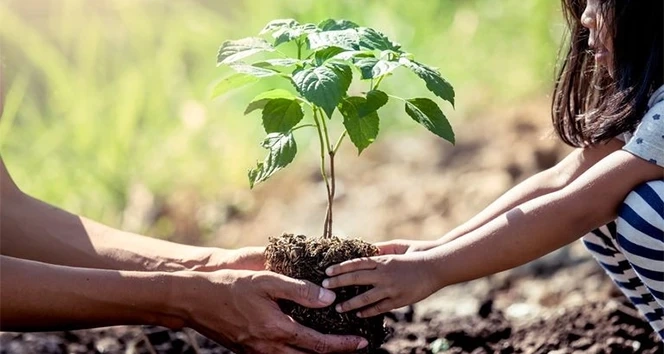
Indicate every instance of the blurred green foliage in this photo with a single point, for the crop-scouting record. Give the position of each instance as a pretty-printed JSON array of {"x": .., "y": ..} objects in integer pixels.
[{"x": 105, "y": 93}]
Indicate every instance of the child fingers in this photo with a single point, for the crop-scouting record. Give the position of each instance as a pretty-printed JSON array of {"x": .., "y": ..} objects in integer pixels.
[
  {"x": 378, "y": 308},
  {"x": 365, "y": 299},
  {"x": 360, "y": 277},
  {"x": 391, "y": 247},
  {"x": 352, "y": 265}
]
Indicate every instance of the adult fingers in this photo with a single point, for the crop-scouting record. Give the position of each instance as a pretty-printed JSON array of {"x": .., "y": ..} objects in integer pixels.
[
  {"x": 365, "y": 263},
  {"x": 302, "y": 292},
  {"x": 310, "y": 340},
  {"x": 365, "y": 299},
  {"x": 360, "y": 277},
  {"x": 276, "y": 348}
]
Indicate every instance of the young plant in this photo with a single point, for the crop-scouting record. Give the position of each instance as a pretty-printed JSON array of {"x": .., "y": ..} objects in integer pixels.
[{"x": 328, "y": 55}]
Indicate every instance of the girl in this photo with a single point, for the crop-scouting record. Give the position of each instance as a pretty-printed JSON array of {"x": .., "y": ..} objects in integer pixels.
[{"x": 609, "y": 92}]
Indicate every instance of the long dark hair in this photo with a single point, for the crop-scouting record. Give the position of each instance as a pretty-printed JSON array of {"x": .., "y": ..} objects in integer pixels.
[{"x": 592, "y": 106}]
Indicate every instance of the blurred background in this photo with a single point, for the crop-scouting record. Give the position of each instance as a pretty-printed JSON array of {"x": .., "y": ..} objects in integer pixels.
[{"x": 108, "y": 114}]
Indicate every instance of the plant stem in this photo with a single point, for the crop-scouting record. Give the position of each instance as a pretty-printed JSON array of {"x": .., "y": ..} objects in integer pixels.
[
  {"x": 325, "y": 133},
  {"x": 378, "y": 82},
  {"x": 303, "y": 126},
  {"x": 331, "y": 197},
  {"x": 335, "y": 148},
  {"x": 327, "y": 232},
  {"x": 299, "y": 49},
  {"x": 333, "y": 154},
  {"x": 332, "y": 182}
]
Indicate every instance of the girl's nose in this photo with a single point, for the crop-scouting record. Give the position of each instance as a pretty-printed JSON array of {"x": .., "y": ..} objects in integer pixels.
[{"x": 588, "y": 20}]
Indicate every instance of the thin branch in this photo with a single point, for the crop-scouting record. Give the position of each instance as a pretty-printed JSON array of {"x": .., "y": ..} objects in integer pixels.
[
  {"x": 303, "y": 126},
  {"x": 321, "y": 140},
  {"x": 335, "y": 148},
  {"x": 332, "y": 192},
  {"x": 299, "y": 49},
  {"x": 380, "y": 79},
  {"x": 327, "y": 136}
]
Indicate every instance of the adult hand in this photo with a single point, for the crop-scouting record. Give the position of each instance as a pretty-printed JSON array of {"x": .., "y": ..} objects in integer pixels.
[{"x": 238, "y": 309}]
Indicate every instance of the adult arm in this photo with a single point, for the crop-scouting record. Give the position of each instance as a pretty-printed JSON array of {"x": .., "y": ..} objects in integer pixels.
[
  {"x": 32, "y": 229},
  {"x": 236, "y": 308}
]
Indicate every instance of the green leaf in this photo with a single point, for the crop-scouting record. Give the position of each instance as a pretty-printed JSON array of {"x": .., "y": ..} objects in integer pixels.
[
  {"x": 427, "y": 113},
  {"x": 361, "y": 123},
  {"x": 324, "y": 85},
  {"x": 232, "y": 51},
  {"x": 262, "y": 99},
  {"x": 375, "y": 100},
  {"x": 384, "y": 67},
  {"x": 332, "y": 25},
  {"x": 277, "y": 62},
  {"x": 435, "y": 82},
  {"x": 372, "y": 68},
  {"x": 254, "y": 70},
  {"x": 348, "y": 39},
  {"x": 372, "y": 39},
  {"x": 281, "y": 115},
  {"x": 286, "y": 30},
  {"x": 282, "y": 150},
  {"x": 323, "y": 55},
  {"x": 278, "y": 24},
  {"x": 231, "y": 82},
  {"x": 285, "y": 35},
  {"x": 351, "y": 54},
  {"x": 366, "y": 67}
]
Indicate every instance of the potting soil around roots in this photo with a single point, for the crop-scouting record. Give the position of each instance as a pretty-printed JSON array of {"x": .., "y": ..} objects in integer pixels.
[{"x": 408, "y": 187}]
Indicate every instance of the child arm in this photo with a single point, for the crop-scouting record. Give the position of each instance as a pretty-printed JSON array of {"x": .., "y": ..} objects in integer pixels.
[
  {"x": 520, "y": 235},
  {"x": 543, "y": 183}
]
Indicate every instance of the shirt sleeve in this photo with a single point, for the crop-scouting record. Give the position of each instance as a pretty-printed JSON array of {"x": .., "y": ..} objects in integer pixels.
[{"x": 648, "y": 139}]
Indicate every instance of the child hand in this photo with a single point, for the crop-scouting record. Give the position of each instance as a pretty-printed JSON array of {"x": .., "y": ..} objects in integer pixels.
[
  {"x": 397, "y": 280},
  {"x": 404, "y": 246}
]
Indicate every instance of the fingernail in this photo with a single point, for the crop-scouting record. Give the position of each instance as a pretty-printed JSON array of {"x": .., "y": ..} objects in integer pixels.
[
  {"x": 328, "y": 271},
  {"x": 363, "y": 344},
  {"x": 358, "y": 314},
  {"x": 338, "y": 308},
  {"x": 326, "y": 283},
  {"x": 326, "y": 296}
]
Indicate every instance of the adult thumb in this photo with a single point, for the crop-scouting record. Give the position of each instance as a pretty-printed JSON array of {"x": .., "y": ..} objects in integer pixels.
[{"x": 302, "y": 292}]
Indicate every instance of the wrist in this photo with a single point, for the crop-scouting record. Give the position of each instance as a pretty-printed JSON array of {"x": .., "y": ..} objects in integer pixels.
[
  {"x": 168, "y": 308},
  {"x": 183, "y": 287},
  {"x": 435, "y": 263},
  {"x": 187, "y": 287}
]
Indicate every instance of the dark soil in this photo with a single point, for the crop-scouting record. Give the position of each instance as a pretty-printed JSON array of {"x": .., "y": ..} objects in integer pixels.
[
  {"x": 307, "y": 258},
  {"x": 598, "y": 327}
]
